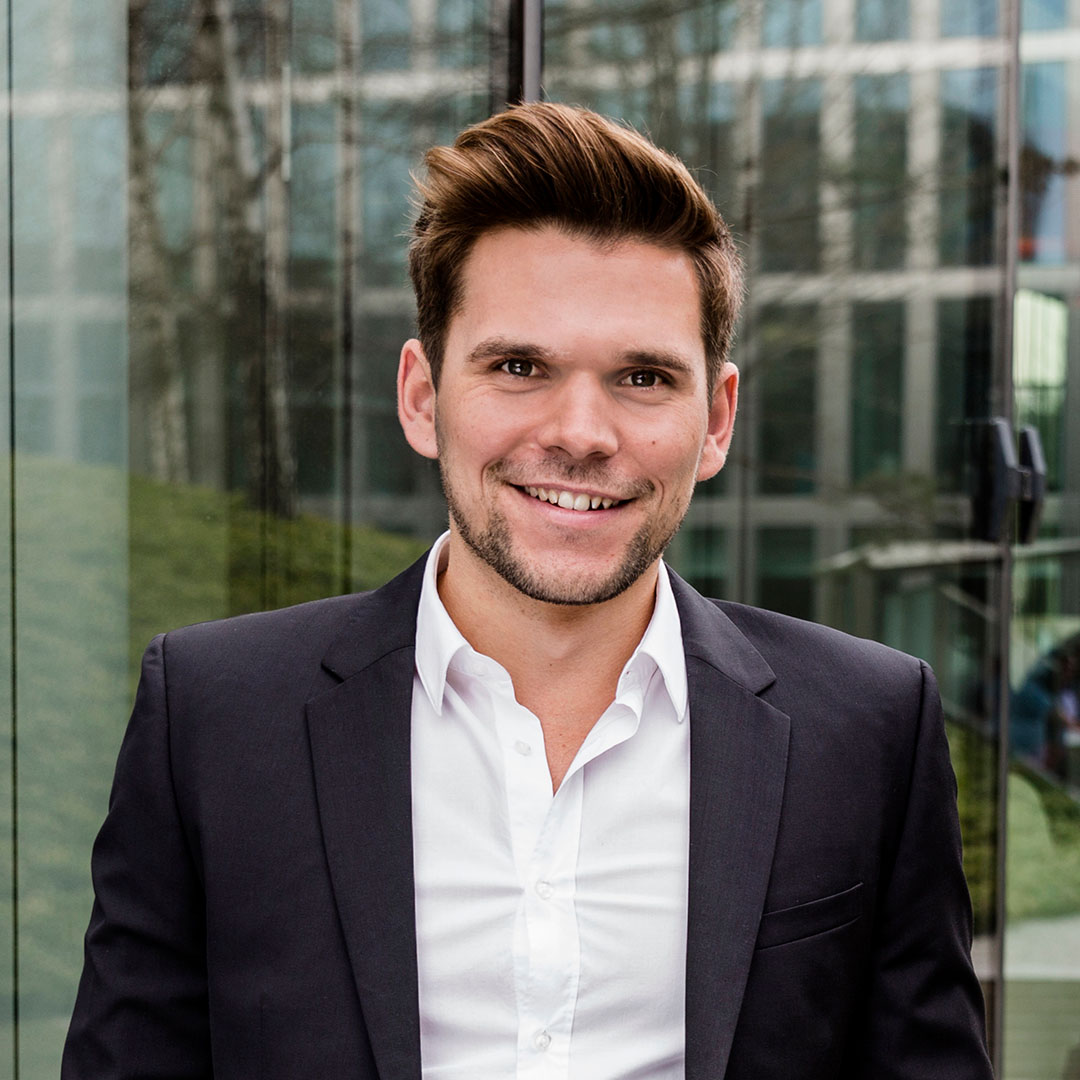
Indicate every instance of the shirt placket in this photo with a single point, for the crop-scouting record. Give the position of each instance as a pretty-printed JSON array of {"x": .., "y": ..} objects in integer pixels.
[{"x": 545, "y": 831}]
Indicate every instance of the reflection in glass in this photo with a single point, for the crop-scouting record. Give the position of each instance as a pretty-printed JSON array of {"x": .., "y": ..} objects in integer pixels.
[
  {"x": 385, "y": 38},
  {"x": 1044, "y": 14},
  {"x": 791, "y": 22},
  {"x": 1045, "y": 164},
  {"x": 879, "y": 171},
  {"x": 876, "y": 391},
  {"x": 969, "y": 18},
  {"x": 968, "y": 167},
  {"x": 1042, "y": 957},
  {"x": 791, "y": 169},
  {"x": 965, "y": 368},
  {"x": 1040, "y": 359},
  {"x": 785, "y": 381},
  {"x": 881, "y": 20},
  {"x": 785, "y": 556}
]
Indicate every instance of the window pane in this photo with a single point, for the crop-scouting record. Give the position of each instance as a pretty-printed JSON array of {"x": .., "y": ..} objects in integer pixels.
[
  {"x": 881, "y": 20},
  {"x": 964, "y": 18},
  {"x": 783, "y": 581},
  {"x": 791, "y": 169},
  {"x": 787, "y": 385},
  {"x": 1044, "y": 163},
  {"x": 877, "y": 386},
  {"x": 791, "y": 22},
  {"x": 968, "y": 167},
  {"x": 880, "y": 171}
]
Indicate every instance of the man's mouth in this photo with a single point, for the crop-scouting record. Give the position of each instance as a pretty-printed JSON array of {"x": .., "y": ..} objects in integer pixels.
[{"x": 571, "y": 500}]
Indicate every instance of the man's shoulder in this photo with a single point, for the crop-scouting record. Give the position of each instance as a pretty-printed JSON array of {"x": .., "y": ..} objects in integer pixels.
[
  {"x": 769, "y": 630},
  {"x": 812, "y": 661}
]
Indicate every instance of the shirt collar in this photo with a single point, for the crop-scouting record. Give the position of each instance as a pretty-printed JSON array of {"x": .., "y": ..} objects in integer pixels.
[{"x": 439, "y": 641}]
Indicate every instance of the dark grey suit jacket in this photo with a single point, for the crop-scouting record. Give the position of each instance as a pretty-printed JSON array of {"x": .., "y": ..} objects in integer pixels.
[{"x": 254, "y": 890}]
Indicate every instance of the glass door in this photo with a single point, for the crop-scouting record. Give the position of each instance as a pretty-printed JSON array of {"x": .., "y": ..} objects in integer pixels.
[
  {"x": 1042, "y": 933},
  {"x": 858, "y": 150}
]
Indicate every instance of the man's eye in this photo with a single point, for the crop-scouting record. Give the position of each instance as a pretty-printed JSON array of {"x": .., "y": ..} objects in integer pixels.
[
  {"x": 521, "y": 368},
  {"x": 644, "y": 379}
]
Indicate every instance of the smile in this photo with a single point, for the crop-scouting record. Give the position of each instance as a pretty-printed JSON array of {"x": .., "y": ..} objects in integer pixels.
[{"x": 570, "y": 500}]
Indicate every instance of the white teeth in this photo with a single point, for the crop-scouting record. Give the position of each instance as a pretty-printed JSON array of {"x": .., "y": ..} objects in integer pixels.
[{"x": 568, "y": 501}]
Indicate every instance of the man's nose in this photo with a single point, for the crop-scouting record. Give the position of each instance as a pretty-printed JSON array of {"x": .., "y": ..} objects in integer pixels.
[{"x": 580, "y": 420}]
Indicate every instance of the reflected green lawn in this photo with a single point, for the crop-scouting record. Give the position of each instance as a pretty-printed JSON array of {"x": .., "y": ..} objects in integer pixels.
[{"x": 103, "y": 561}]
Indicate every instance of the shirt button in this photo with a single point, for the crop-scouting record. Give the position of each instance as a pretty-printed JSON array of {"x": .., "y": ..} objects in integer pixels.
[
  {"x": 523, "y": 748},
  {"x": 545, "y": 890},
  {"x": 541, "y": 1040}
]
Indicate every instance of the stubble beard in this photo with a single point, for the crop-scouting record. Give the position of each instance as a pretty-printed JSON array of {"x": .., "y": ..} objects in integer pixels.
[{"x": 494, "y": 545}]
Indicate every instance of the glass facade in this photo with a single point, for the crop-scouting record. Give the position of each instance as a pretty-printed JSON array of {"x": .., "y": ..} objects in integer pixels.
[{"x": 204, "y": 296}]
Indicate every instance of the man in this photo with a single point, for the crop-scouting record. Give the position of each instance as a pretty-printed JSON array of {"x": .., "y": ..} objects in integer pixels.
[{"x": 537, "y": 808}]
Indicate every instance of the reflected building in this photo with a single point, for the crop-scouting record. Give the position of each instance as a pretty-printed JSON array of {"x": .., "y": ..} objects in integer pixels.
[{"x": 209, "y": 205}]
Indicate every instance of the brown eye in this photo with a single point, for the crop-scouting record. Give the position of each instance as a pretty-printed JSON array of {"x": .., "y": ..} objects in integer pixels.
[
  {"x": 521, "y": 368},
  {"x": 643, "y": 379}
]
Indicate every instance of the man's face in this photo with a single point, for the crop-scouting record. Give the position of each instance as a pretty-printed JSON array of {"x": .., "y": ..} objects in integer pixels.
[{"x": 572, "y": 417}]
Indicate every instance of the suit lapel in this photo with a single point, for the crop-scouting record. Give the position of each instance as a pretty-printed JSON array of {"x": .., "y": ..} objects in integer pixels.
[
  {"x": 359, "y": 735},
  {"x": 738, "y": 760}
]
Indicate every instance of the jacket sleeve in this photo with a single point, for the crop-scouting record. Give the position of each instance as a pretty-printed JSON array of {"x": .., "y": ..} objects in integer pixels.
[
  {"x": 925, "y": 1013},
  {"x": 141, "y": 1009}
]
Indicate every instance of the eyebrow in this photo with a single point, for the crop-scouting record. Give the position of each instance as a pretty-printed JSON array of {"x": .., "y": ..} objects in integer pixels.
[{"x": 505, "y": 349}]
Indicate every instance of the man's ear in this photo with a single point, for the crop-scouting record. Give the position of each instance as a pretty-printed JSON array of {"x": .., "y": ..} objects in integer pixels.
[
  {"x": 721, "y": 422},
  {"x": 416, "y": 399}
]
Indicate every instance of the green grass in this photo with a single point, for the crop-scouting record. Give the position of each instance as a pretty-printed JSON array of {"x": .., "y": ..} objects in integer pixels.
[{"x": 103, "y": 562}]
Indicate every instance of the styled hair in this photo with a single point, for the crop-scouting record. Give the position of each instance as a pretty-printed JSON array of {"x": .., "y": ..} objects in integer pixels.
[{"x": 542, "y": 164}]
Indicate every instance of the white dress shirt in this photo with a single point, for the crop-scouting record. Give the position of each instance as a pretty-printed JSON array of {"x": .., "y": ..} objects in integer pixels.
[{"x": 551, "y": 930}]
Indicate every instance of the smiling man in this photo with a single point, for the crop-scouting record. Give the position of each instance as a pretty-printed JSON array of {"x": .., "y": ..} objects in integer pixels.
[{"x": 536, "y": 808}]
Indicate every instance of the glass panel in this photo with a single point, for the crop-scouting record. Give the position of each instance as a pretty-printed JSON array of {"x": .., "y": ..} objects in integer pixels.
[
  {"x": 880, "y": 171},
  {"x": 791, "y": 22},
  {"x": 786, "y": 380},
  {"x": 209, "y": 260},
  {"x": 962, "y": 18},
  {"x": 791, "y": 170},
  {"x": 1042, "y": 941},
  {"x": 881, "y": 20},
  {"x": 386, "y": 26},
  {"x": 1044, "y": 163},
  {"x": 877, "y": 386},
  {"x": 968, "y": 167},
  {"x": 70, "y": 490},
  {"x": 964, "y": 348},
  {"x": 1044, "y": 14},
  {"x": 785, "y": 557},
  {"x": 1042, "y": 945},
  {"x": 856, "y": 184}
]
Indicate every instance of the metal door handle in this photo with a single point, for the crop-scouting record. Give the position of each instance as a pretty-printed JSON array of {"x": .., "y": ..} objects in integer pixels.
[
  {"x": 1002, "y": 479},
  {"x": 1032, "y": 485}
]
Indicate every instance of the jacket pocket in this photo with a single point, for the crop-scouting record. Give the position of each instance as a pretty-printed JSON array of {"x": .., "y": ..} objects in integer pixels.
[{"x": 806, "y": 920}]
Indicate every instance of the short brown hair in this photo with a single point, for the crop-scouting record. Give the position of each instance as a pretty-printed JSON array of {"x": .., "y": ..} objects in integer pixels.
[{"x": 547, "y": 164}]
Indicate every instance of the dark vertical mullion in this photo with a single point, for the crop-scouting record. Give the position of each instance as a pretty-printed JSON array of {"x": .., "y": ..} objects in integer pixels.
[
  {"x": 1011, "y": 235},
  {"x": 516, "y": 52}
]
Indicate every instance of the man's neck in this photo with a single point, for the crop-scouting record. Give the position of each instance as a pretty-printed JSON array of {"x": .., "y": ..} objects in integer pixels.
[{"x": 564, "y": 660}]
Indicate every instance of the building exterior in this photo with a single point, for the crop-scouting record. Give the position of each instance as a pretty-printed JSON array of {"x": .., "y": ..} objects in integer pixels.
[{"x": 205, "y": 295}]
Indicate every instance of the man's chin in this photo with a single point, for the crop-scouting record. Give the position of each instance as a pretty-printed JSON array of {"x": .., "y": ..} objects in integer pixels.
[{"x": 576, "y": 584}]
